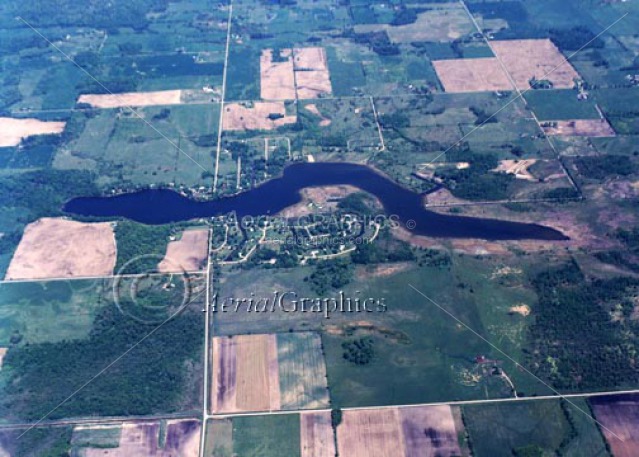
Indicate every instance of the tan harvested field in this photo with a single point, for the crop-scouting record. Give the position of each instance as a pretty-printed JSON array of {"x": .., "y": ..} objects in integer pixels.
[
  {"x": 313, "y": 109},
  {"x": 142, "y": 440},
  {"x": 254, "y": 116},
  {"x": 313, "y": 84},
  {"x": 429, "y": 431},
  {"x": 518, "y": 168},
  {"x": 311, "y": 72},
  {"x": 472, "y": 75},
  {"x": 245, "y": 373},
  {"x": 525, "y": 59},
  {"x": 425, "y": 431},
  {"x": 186, "y": 254},
  {"x": 13, "y": 131},
  {"x": 61, "y": 248},
  {"x": 442, "y": 22},
  {"x": 620, "y": 420},
  {"x": 579, "y": 127},
  {"x": 370, "y": 433},
  {"x": 161, "y": 97},
  {"x": 313, "y": 58},
  {"x": 316, "y": 435},
  {"x": 277, "y": 79}
]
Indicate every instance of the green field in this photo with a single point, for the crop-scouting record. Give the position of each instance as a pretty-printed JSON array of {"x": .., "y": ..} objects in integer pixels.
[
  {"x": 540, "y": 428},
  {"x": 266, "y": 436}
]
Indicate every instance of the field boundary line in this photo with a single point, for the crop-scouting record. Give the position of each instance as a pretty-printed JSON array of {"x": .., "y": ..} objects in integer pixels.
[
  {"x": 520, "y": 93},
  {"x": 128, "y": 107},
  {"x": 517, "y": 364},
  {"x": 220, "y": 127},
  {"x": 86, "y": 278},
  {"x": 205, "y": 374}
]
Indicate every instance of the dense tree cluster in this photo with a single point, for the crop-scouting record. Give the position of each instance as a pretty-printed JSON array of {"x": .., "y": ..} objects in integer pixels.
[
  {"x": 360, "y": 351},
  {"x": 600, "y": 167},
  {"x": 574, "y": 341}
]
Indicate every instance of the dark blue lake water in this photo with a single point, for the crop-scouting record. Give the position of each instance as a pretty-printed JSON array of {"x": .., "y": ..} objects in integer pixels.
[{"x": 163, "y": 206}]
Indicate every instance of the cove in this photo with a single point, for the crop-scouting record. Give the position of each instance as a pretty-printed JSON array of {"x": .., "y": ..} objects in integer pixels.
[{"x": 160, "y": 206}]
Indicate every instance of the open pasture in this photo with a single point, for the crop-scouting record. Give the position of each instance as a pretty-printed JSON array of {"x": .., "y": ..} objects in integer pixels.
[
  {"x": 579, "y": 127},
  {"x": 256, "y": 116}
]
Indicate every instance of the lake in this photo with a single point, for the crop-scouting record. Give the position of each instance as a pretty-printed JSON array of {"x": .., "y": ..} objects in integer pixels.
[{"x": 161, "y": 206}]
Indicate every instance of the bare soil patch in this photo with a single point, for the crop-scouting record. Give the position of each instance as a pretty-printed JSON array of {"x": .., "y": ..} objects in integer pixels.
[
  {"x": 277, "y": 79},
  {"x": 371, "y": 433},
  {"x": 312, "y": 77},
  {"x": 579, "y": 127},
  {"x": 3, "y": 352},
  {"x": 160, "y": 97},
  {"x": 186, "y": 254},
  {"x": 255, "y": 116},
  {"x": 620, "y": 420},
  {"x": 316, "y": 438},
  {"x": 141, "y": 439},
  {"x": 540, "y": 59},
  {"x": 519, "y": 168},
  {"x": 522, "y": 309},
  {"x": 245, "y": 373},
  {"x": 429, "y": 431},
  {"x": 61, "y": 248},
  {"x": 472, "y": 75},
  {"x": 313, "y": 109},
  {"x": 13, "y": 131}
]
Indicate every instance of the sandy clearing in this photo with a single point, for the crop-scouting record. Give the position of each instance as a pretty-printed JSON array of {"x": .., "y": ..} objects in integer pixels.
[
  {"x": 429, "y": 431},
  {"x": 186, "y": 254},
  {"x": 316, "y": 435},
  {"x": 160, "y": 97},
  {"x": 13, "y": 131},
  {"x": 579, "y": 127},
  {"x": 3, "y": 352},
  {"x": 62, "y": 248},
  {"x": 277, "y": 79},
  {"x": 518, "y": 168},
  {"x": 472, "y": 75},
  {"x": 245, "y": 373},
  {"x": 523, "y": 310},
  {"x": 255, "y": 116},
  {"x": 525, "y": 59},
  {"x": 370, "y": 433}
]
